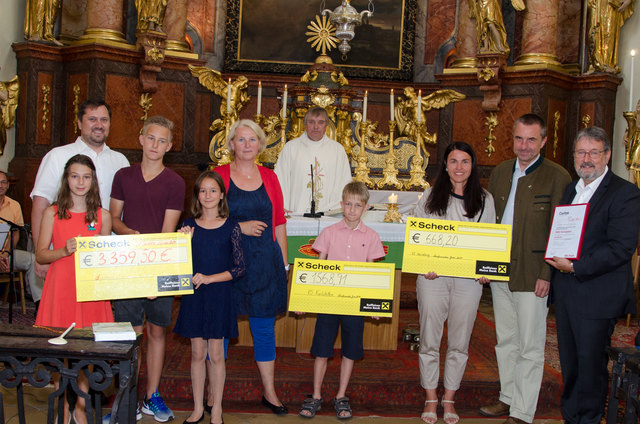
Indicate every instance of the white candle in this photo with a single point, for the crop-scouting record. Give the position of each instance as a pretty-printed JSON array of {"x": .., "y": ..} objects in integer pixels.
[
  {"x": 284, "y": 103},
  {"x": 259, "y": 97},
  {"x": 364, "y": 106},
  {"x": 633, "y": 58},
  {"x": 391, "y": 105},
  {"x": 419, "y": 106},
  {"x": 419, "y": 196},
  {"x": 229, "y": 97},
  {"x": 393, "y": 198}
]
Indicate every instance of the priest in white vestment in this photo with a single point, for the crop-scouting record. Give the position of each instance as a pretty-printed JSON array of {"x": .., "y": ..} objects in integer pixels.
[{"x": 331, "y": 169}]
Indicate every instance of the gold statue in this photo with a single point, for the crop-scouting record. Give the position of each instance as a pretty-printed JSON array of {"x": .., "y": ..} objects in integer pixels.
[
  {"x": 150, "y": 14},
  {"x": 632, "y": 142},
  {"x": 490, "y": 31},
  {"x": 39, "y": 19},
  {"x": 9, "y": 91},
  {"x": 405, "y": 111},
  {"x": 234, "y": 98},
  {"x": 606, "y": 19}
]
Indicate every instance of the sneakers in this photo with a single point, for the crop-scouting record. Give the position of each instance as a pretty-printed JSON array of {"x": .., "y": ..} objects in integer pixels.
[
  {"x": 156, "y": 407},
  {"x": 107, "y": 418}
]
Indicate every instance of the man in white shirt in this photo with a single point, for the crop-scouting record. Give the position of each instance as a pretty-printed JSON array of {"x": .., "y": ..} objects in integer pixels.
[
  {"x": 94, "y": 121},
  {"x": 331, "y": 169}
]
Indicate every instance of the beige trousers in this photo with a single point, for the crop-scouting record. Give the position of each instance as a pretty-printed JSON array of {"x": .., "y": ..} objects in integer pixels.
[
  {"x": 454, "y": 300},
  {"x": 521, "y": 329}
]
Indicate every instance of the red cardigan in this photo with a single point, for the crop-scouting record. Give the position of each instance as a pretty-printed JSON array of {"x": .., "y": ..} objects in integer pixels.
[{"x": 271, "y": 184}]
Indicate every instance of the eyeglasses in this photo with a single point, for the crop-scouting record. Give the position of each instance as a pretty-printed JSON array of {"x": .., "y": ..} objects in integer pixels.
[{"x": 593, "y": 154}]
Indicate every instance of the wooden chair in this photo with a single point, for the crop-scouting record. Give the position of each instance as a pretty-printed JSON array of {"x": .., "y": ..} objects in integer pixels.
[{"x": 18, "y": 277}]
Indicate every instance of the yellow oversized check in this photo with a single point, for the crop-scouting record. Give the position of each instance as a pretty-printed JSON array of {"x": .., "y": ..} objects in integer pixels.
[
  {"x": 139, "y": 265},
  {"x": 340, "y": 287},
  {"x": 457, "y": 248}
]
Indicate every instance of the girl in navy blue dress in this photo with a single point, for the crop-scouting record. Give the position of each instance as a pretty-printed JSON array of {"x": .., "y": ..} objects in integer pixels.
[{"x": 208, "y": 316}]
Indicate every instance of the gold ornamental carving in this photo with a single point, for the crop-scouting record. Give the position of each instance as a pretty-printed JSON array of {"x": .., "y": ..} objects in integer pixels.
[
  {"x": 491, "y": 122},
  {"x": 9, "y": 93},
  {"x": 76, "y": 105},
  {"x": 586, "y": 120},
  {"x": 146, "y": 104},
  {"x": 556, "y": 127},
  {"x": 46, "y": 90},
  {"x": 322, "y": 97},
  {"x": 234, "y": 98},
  {"x": 486, "y": 74}
]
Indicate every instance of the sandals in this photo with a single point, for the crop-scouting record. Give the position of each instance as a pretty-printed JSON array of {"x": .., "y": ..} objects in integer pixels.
[
  {"x": 450, "y": 417},
  {"x": 311, "y": 406},
  {"x": 429, "y": 417},
  {"x": 342, "y": 405}
]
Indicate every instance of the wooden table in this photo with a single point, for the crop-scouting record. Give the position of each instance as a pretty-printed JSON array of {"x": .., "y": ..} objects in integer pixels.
[{"x": 26, "y": 356}]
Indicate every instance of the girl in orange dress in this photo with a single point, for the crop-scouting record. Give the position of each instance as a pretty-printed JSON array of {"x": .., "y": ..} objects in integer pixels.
[{"x": 75, "y": 213}]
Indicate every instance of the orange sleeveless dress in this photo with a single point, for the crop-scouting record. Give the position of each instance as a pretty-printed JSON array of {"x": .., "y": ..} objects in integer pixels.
[{"x": 58, "y": 306}]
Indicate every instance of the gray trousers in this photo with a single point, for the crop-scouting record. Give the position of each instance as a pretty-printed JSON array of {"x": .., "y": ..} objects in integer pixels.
[{"x": 454, "y": 300}]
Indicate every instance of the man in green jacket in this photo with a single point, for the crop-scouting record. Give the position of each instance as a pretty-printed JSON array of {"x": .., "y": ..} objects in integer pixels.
[{"x": 525, "y": 191}]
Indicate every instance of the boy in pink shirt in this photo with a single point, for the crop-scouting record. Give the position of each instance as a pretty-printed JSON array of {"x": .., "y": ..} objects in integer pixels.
[{"x": 348, "y": 240}]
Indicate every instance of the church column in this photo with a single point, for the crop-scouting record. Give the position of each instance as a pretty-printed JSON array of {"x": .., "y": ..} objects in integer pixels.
[
  {"x": 175, "y": 25},
  {"x": 467, "y": 43},
  {"x": 104, "y": 21},
  {"x": 539, "y": 33}
]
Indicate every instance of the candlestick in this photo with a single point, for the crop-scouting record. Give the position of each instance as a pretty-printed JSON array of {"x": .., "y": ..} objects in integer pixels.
[
  {"x": 229, "y": 97},
  {"x": 393, "y": 198},
  {"x": 364, "y": 107},
  {"x": 419, "y": 107},
  {"x": 633, "y": 58},
  {"x": 391, "y": 105},
  {"x": 284, "y": 102},
  {"x": 259, "y": 98}
]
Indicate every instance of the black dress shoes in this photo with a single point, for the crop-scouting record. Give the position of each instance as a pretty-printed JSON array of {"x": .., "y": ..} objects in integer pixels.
[
  {"x": 278, "y": 410},
  {"x": 194, "y": 422},
  {"x": 207, "y": 408}
]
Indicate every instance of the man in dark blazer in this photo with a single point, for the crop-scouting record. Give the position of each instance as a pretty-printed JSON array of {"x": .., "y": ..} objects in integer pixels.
[{"x": 592, "y": 292}]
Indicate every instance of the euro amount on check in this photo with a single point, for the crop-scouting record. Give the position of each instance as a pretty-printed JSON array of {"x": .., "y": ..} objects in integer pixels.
[{"x": 457, "y": 249}]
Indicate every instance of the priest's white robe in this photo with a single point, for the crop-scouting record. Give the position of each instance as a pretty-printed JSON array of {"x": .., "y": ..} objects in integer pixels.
[{"x": 331, "y": 172}]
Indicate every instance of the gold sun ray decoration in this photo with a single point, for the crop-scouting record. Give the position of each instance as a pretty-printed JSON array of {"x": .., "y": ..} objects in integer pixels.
[{"x": 322, "y": 35}]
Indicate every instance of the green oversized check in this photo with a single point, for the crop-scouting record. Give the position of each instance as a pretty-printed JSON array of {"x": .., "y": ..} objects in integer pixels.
[
  {"x": 137, "y": 265},
  {"x": 457, "y": 248},
  {"x": 342, "y": 288}
]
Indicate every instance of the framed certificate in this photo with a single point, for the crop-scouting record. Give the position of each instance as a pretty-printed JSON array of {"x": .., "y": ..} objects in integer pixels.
[
  {"x": 567, "y": 231},
  {"x": 341, "y": 287},
  {"x": 457, "y": 248},
  {"x": 137, "y": 265}
]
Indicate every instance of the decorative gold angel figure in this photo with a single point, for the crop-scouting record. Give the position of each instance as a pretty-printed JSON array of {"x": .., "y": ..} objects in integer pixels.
[
  {"x": 234, "y": 98},
  {"x": 405, "y": 112},
  {"x": 9, "y": 91},
  {"x": 490, "y": 31}
]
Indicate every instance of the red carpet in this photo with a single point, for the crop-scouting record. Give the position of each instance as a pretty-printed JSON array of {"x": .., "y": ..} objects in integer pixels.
[{"x": 383, "y": 383}]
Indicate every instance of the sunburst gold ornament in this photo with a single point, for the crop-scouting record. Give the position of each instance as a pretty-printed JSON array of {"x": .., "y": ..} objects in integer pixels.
[{"x": 322, "y": 35}]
